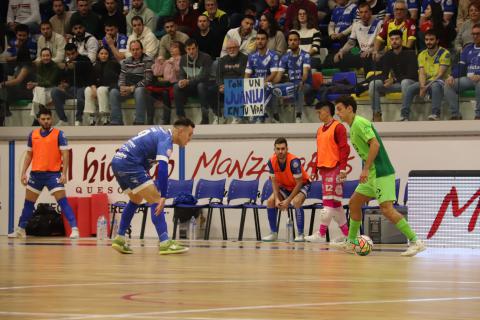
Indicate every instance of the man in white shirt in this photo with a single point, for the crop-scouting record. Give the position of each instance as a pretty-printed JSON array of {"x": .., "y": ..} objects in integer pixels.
[
  {"x": 245, "y": 35},
  {"x": 49, "y": 39},
  {"x": 145, "y": 36}
]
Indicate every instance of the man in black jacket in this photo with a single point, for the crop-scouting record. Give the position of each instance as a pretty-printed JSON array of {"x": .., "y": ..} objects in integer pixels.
[
  {"x": 400, "y": 69},
  {"x": 76, "y": 76}
]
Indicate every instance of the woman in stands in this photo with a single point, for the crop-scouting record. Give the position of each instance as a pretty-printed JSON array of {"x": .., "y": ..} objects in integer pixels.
[
  {"x": 433, "y": 20},
  {"x": 464, "y": 35},
  {"x": 310, "y": 37},
  {"x": 16, "y": 88},
  {"x": 276, "y": 38},
  {"x": 167, "y": 73},
  {"x": 47, "y": 78},
  {"x": 105, "y": 74}
]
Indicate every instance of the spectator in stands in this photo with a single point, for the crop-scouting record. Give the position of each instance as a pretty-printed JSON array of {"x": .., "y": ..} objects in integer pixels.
[
  {"x": 378, "y": 8},
  {"x": 61, "y": 20},
  {"x": 51, "y": 40},
  {"x": 141, "y": 10},
  {"x": 399, "y": 22},
  {"x": 22, "y": 39},
  {"x": 167, "y": 73},
  {"x": 218, "y": 18},
  {"x": 161, "y": 9},
  {"x": 296, "y": 64},
  {"x": 399, "y": 71},
  {"x": 86, "y": 43},
  {"x": 277, "y": 10},
  {"x": 364, "y": 32},
  {"x": 194, "y": 73},
  {"x": 466, "y": 76},
  {"x": 340, "y": 25},
  {"x": 186, "y": 17},
  {"x": 143, "y": 34},
  {"x": 412, "y": 7},
  {"x": 462, "y": 12},
  {"x": 114, "y": 12},
  {"x": 464, "y": 35},
  {"x": 209, "y": 41},
  {"x": 135, "y": 75},
  {"x": 89, "y": 19},
  {"x": 310, "y": 37},
  {"x": 448, "y": 8},
  {"x": 76, "y": 75},
  {"x": 245, "y": 35},
  {"x": 276, "y": 38},
  {"x": 105, "y": 77},
  {"x": 433, "y": 68},
  {"x": 230, "y": 66},
  {"x": 47, "y": 76},
  {"x": 263, "y": 63},
  {"x": 292, "y": 12},
  {"x": 16, "y": 87},
  {"x": 23, "y": 12},
  {"x": 114, "y": 42},
  {"x": 171, "y": 35},
  {"x": 433, "y": 20}
]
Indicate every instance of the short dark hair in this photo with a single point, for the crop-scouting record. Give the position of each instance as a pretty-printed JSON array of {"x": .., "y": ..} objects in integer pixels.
[
  {"x": 138, "y": 18},
  {"x": 46, "y": 49},
  {"x": 22, "y": 28},
  {"x": 184, "y": 122},
  {"x": 261, "y": 31},
  {"x": 76, "y": 22},
  {"x": 70, "y": 47},
  {"x": 110, "y": 22},
  {"x": 328, "y": 104},
  {"x": 280, "y": 140},
  {"x": 167, "y": 20},
  {"x": 190, "y": 42},
  {"x": 46, "y": 22},
  {"x": 365, "y": 5},
  {"x": 43, "y": 110},
  {"x": 431, "y": 32},
  {"x": 249, "y": 16},
  {"x": 136, "y": 41},
  {"x": 347, "y": 100},
  {"x": 293, "y": 32},
  {"x": 396, "y": 32},
  {"x": 476, "y": 25}
]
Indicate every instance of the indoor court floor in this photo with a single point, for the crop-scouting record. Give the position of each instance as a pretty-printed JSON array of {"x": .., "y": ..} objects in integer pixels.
[{"x": 61, "y": 279}]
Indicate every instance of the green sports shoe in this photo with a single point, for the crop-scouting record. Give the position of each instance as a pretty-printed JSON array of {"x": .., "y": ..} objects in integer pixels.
[
  {"x": 171, "y": 247},
  {"x": 121, "y": 245}
]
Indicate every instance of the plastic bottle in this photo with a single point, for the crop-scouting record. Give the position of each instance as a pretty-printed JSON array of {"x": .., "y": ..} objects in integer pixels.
[
  {"x": 192, "y": 229},
  {"x": 289, "y": 230},
  {"x": 101, "y": 228},
  {"x": 114, "y": 229}
]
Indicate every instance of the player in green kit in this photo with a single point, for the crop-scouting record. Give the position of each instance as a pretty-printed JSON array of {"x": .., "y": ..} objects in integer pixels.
[{"x": 377, "y": 179}]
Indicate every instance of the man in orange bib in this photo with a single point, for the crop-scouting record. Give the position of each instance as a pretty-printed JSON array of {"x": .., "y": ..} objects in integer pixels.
[
  {"x": 332, "y": 156},
  {"x": 48, "y": 154},
  {"x": 290, "y": 185}
]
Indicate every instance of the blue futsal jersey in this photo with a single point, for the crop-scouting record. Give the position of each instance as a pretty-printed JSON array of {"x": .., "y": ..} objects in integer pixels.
[
  {"x": 294, "y": 65},
  {"x": 146, "y": 148},
  {"x": 470, "y": 58},
  {"x": 343, "y": 17},
  {"x": 259, "y": 66}
]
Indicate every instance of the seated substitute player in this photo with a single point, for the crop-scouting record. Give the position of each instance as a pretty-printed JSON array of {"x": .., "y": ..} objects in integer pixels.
[
  {"x": 377, "y": 179},
  {"x": 290, "y": 185},
  {"x": 47, "y": 151},
  {"x": 130, "y": 166}
]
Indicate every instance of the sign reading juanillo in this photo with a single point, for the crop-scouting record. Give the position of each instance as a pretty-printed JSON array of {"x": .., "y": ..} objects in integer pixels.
[{"x": 244, "y": 97}]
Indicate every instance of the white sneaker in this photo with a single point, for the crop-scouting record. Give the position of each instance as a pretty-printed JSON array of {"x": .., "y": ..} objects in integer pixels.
[
  {"x": 414, "y": 248},
  {"x": 345, "y": 246},
  {"x": 78, "y": 123},
  {"x": 61, "y": 123},
  {"x": 433, "y": 117},
  {"x": 215, "y": 120},
  {"x": 298, "y": 120},
  {"x": 235, "y": 121},
  {"x": 74, "y": 234},
  {"x": 18, "y": 233},
  {"x": 299, "y": 238},
  {"x": 316, "y": 237},
  {"x": 271, "y": 237}
]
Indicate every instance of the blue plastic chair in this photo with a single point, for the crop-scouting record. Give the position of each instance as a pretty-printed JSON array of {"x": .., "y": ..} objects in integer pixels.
[
  {"x": 267, "y": 191},
  {"x": 350, "y": 77},
  {"x": 241, "y": 189},
  {"x": 175, "y": 188},
  {"x": 214, "y": 191},
  {"x": 315, "y": 193}
]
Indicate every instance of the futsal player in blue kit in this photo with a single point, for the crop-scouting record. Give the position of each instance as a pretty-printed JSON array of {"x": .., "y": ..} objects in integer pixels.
[{"x": 131, "y": 164}]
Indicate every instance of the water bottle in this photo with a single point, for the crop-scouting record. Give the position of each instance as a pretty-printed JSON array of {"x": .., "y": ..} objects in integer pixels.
[
  {"x": 289, "y": 230},
  {"x": 192, "y": 228},
  {"x": 101, "y": 228},
  {"x": 115, "y": 228}
]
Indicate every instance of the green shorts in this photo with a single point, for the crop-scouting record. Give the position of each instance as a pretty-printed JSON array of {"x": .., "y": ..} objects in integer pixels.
[{"x": 382, "y": 189}]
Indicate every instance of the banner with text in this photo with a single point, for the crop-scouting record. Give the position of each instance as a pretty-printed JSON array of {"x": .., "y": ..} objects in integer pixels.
[{"x": 244, "y": 97}]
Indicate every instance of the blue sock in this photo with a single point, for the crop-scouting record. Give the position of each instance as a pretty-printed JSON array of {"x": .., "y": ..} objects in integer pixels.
[
  {"x": 127, "y": 216},
  {"x": 300, "y": 220},
  {"x": 27, "y": 213},
  {"x": 68, "y": 212},
  {"x": 160, "y": 224},
  {"x": 272, "y": 219}
]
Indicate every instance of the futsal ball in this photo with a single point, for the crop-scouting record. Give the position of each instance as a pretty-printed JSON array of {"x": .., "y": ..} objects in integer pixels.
[{"x": 365, "y": 245}]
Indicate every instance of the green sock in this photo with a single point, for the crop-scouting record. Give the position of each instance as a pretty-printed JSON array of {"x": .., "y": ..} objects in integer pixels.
[
  {"x": 353, "y": 230},
  {"x": 404, "y": 228}
]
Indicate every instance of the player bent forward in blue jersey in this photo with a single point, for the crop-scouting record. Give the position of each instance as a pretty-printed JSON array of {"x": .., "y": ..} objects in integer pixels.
[{"x": 131, "y": 164}]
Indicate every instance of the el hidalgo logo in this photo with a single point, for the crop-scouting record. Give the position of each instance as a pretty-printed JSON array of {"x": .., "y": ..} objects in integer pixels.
[{"x": 452, "y": 197}]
